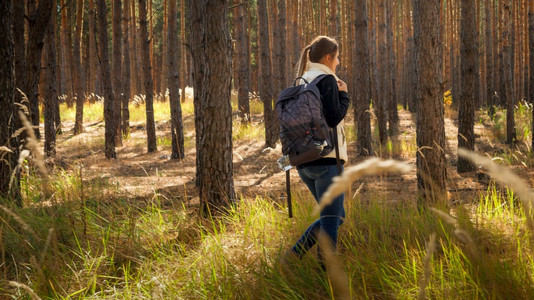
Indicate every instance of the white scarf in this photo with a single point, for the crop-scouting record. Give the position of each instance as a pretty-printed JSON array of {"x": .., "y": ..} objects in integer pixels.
[{"x": 315, "y": 69}]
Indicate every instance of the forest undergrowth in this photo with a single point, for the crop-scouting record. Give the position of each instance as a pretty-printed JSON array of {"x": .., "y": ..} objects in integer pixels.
[{"x": 129, "y": 228}]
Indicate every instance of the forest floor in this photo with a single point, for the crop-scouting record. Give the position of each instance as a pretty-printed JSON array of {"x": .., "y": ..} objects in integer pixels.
[
  {"x": 141, "y": 175},
  {"x": 129, "y": 227}
]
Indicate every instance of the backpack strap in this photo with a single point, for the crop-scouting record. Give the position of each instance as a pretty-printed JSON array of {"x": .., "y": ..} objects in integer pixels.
[
  {"x": 336, "y": 149},
  {"x": 300, "y": 77}
]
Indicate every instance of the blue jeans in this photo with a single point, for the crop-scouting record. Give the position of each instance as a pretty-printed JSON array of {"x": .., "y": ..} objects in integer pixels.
[{"x": 318, "y": 178}]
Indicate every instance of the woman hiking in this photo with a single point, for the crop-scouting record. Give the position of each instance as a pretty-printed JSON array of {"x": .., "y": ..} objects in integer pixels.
[{"x": 322, "y": 57}]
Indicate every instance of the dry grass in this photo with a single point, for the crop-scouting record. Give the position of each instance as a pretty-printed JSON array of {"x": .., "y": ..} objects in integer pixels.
[{"x": 351, "y": 174}]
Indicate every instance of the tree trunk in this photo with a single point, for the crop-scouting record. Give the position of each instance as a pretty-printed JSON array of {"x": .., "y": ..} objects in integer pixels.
[
  {"x": 106, "y": 81},
  {"x": 149, "y": 85},
  {"x": 334, "y": 19},
  {"x": 135, "y": 46},
  {"x": 20, "y": 78},
  {"x": 383, "y": 83},
  {"x": 243, "y": 65},
  {"x": 469, "y": 64},
  {"x": 393, "y": 114},
  {"x": 531, "y": 60},
  {"x": 164, "y": 57},
  {"x": 431, "y": 163},
  {"x": 117, "y": 62},
  {"x": 96, "y": 72},
  {"x": 489, "y": 54},
  {"x": 177, "y": 128},
  {"x": 266, "y": 86},
  {"x": 78, "y": 74},
  {"x": 37, "y": 30},
  {"x": 282, "y": 53},
  {"x": 20, "y": 49},
  {"x": 361, "y": 83},
  {"x": 7, "y": 102},
  {"x": 183, "y": 53},
  {"x": 50, "y": 94},
  {"x": 410, "y": 62},
  {"x": 66, "y": 55},
  {"x": 125, "y": 118},
  {"x": 508, "y": 83},
  {"x": 211, "y": 50}
]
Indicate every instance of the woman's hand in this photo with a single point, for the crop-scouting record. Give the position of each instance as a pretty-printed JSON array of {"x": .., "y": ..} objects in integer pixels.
[{"x": 342, "y": 86}]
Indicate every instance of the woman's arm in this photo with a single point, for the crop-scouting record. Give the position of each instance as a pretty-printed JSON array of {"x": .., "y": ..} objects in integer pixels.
[{"x": 335, "y": 102}]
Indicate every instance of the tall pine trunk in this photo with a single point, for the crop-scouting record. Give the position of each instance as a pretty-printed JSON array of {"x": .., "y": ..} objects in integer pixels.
[
  {"x": 7, "y": 102},
  {"x": 531, "y": 59},
  {"x": 393, "y": 114},
  {"x": 507, "y": 63},
  {"x": 106, "y": 81},
  {"x": 126, "y": 88},
  {"x": 431, "y": 163},
  {"x": 78, "y": 74},
  {"x": 117, "y": 65},
  {"x": 266, "y": 86},
  {"x": 383, "y": 83},
  {"x": 50, "y": 95},
  {"x": 66, "y": 54},
  {"x": 243, "y": 65},
  {"x": 39, "y": 19},
  {"x": 173, "y": 77},
  {"x": 211, "y": 51},
  {"x": 147, "y": 72},
  {"x": 469, "y": 64},
  {"x": 362, "y": 98}
]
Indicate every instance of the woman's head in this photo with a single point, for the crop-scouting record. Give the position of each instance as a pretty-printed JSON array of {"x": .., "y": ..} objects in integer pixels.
[{"x": 322, "y": 49}]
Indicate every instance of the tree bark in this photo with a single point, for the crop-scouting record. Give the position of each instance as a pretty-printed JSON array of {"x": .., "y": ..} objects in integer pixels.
[
  {"x": 334, "y": 19},
  {"x": 362, "y": 98},
  {"x": 38, "y": 21},
  {"x": 95, "y": 71},
  {"x": 531, "y": 60},
  {"x": 393, "y": 114},
  {"x": 20, "y": 48},
  {"x": 66, "y": 55},
  {"x": 183, "y": 53},
  {"x": 211, "y": 51},
  {"x": 106, "y": 81},
  {"x": 489, "y": 54},
  {"x": 147, "y": 71},
  {"x": 125, "y": 118},
  {"x": 78, "y": 74},
  {"x": 8, "y": 159},
  {"x": 383, "y": 83},
  {"x": 50, "y": 94},
  {"x": 282, "y": 53},
  {"x": 135, "y": 46},
  {"x": 266, "y": 86},
  {"x": 117, "y": 65},
  {"x": 469, "y": 64},
  {"x": 164, "y": 47},
  {"x": 243, "y": 65},
  {"x": 177, "y": 128},
  {"x": 507, "y": 63},
  {"x": 431, "y": 163}
]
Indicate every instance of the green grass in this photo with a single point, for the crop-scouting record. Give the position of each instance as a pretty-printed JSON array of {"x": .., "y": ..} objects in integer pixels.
[
  {"x": 523, "y": 125},
  {"x": 107, "y": 246},
  {"x": 84, "y": 238},
  {"x": 94, "y": 112}
]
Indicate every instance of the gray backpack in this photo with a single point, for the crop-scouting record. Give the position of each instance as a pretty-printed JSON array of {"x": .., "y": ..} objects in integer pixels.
[{"x": 304, "y": 133}]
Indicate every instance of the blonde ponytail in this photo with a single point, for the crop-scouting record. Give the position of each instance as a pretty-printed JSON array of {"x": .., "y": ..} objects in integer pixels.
[{"x": 303, "y": 61}]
